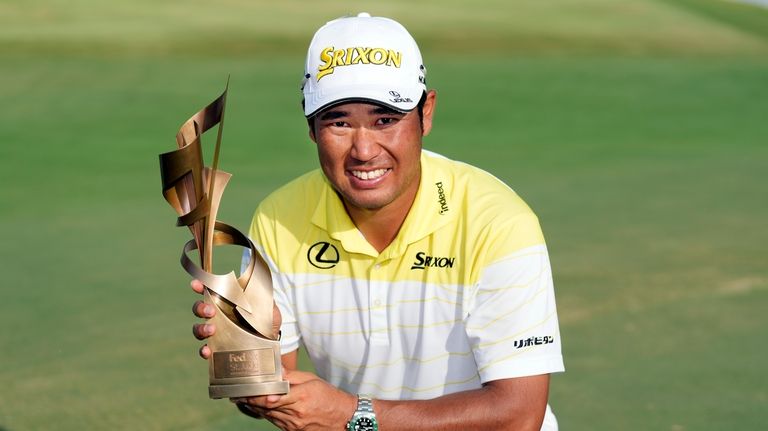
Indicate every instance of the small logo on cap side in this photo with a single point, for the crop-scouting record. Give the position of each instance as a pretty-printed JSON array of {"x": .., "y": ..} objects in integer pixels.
[
  {"x": 332, "y": 58},
  {"x": 398, "y": 98}
]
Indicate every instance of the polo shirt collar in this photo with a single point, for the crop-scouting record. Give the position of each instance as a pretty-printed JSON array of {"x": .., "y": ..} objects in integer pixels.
[{"x": 427, "y": 214}]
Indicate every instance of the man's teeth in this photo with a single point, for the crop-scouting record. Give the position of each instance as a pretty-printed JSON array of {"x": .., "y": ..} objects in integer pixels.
[{"x": 369, "y": 175}]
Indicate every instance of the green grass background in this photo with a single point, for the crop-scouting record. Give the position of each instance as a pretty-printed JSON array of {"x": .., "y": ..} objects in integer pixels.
[{"x": 638, "y": 131}]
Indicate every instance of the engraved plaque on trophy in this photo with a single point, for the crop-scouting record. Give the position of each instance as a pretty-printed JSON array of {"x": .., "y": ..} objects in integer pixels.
[{"x": 245, "y": 358}]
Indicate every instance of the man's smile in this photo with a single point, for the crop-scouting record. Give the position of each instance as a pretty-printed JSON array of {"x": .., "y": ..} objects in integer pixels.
[{"x": 369, "y": 175}]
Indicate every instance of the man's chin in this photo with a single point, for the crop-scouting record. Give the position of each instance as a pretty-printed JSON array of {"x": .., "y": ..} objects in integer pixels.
[{"x": 367, "y": 203}]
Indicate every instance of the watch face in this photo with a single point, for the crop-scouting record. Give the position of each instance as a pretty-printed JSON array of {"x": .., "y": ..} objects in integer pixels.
[{"x": 364, "y": 424}]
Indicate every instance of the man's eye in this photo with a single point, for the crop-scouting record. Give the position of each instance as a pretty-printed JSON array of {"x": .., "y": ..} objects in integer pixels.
[
  {"x": 339, "y": 124},
  {"x": 386, "y": 120}
]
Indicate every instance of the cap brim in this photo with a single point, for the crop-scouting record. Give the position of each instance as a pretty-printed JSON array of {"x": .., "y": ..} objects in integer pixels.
[
  {"x": 359, "y": 100},
  {"x": 316, "y": 105}
]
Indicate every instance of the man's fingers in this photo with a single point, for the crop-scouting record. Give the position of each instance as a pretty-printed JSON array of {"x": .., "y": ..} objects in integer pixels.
[
  {"x": 203, "y": 330},
  {"x": 267, "y": 402},
  {"x": 197, "y": 286},
  {"x": 205, "y": 352},
  {"x": 251, "y": 411},
  {"x": 258, "y": 402},
  {"x": 201, "y": 309},
  {"x": 297, "y": 377}
]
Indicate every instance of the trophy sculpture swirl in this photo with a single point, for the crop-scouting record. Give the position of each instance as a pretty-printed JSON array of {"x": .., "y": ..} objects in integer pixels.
[{"x": 245, "y": 358}]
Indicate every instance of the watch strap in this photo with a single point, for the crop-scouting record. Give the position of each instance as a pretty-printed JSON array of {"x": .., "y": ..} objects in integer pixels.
[
  {"x": 364, "y": 404},
  {"x": 364, "y": 410}
]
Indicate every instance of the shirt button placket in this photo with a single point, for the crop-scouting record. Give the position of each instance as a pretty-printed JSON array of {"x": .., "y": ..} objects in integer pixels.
[{"x": 377, "y": 304}]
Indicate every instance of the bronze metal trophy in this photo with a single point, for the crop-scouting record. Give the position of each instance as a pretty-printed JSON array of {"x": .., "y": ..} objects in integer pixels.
[{"x": 245, "y": 358}]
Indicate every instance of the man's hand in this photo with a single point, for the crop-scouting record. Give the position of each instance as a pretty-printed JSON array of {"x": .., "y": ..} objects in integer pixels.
[
  {"x": 311, "y": 404},
  {"x": 206, "y": 311}
]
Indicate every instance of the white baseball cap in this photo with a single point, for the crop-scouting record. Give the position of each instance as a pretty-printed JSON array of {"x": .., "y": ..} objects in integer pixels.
[{"x": 363, "y": 58}]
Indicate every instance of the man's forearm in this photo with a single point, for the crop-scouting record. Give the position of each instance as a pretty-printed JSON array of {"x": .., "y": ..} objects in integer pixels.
[{"x": 509, "y": 404}]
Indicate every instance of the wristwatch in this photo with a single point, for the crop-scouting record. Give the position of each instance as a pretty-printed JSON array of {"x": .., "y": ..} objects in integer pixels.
[{"x": 364, "y": 418}]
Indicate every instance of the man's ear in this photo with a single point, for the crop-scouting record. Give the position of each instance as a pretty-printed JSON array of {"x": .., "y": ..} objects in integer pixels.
[{"x": 428, "y": 112}]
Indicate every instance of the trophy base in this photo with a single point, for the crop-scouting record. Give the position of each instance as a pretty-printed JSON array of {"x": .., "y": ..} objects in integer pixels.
[
  {"x": 247, "y": 389},
  {"x": 241, "y": 364}
]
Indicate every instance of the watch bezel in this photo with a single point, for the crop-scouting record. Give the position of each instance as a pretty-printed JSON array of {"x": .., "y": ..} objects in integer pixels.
[{"x": 358, "y": 417}]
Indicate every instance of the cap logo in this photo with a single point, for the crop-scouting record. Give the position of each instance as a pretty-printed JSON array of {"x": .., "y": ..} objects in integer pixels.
[
  {"x": 398, "y": 98},
  {"x": 332, "y": 58}
]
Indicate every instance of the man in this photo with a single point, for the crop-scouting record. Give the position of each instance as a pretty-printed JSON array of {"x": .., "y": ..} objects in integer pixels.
[{"x": 419, "y": 286}]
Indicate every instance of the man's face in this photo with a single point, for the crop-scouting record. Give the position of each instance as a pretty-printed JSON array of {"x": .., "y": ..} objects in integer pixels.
[{"x": 371, "y": 154}]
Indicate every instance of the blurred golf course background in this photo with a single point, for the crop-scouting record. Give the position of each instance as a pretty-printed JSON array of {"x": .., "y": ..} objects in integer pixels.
[{"x": 637, "y": 130}]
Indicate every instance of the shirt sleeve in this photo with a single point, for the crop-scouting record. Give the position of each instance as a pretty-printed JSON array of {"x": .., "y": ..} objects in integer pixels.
[{"x": 512, "y": 323}]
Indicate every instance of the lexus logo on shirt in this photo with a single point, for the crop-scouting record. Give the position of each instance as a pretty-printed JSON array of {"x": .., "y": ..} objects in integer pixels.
[{"x": 323, "y": 255}]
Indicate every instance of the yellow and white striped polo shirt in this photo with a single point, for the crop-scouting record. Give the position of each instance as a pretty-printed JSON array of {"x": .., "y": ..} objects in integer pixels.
[{"x": 462, "y": 296}]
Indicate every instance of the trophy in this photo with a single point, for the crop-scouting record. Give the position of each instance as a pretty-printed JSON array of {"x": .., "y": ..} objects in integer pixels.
[{"x": 245, "y": 359}]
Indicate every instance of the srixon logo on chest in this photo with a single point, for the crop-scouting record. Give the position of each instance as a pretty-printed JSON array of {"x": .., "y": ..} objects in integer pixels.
[{"x": 424, "y": 260}]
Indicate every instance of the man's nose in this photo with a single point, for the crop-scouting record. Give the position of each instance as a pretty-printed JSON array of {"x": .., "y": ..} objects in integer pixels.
[{"x": 365, "y": 146}]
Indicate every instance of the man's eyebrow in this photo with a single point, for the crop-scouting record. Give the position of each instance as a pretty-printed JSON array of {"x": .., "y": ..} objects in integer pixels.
[
  {"x": 383, "y": 110},
  {"x": 333, "y": 115}
]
